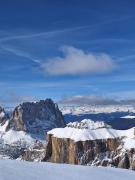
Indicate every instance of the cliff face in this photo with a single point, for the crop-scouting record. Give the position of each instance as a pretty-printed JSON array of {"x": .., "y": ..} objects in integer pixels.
[
  {"x": 91, "y": 143},
  {"x": 37, "y": 117},
  {"x": 82, "y": 152},
  {"x": 93, "y": 152}
]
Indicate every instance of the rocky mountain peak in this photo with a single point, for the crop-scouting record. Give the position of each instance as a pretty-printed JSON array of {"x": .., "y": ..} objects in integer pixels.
[
  {"x": 88, "y": 124},
  {"x": 37, "y": 117}
]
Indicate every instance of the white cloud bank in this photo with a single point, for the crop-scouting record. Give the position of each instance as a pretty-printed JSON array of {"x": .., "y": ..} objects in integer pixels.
[
  {"x": 89, "y": 99},
  {"x": 76, "y": 61},
  {"x": 95, "y": 100}
]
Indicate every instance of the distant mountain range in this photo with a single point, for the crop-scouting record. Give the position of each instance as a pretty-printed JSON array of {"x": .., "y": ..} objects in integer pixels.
[{"x": 112, "y": 115}]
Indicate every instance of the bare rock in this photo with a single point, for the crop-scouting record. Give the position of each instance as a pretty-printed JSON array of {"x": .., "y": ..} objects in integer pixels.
[
  {"x": 4, "y": 119},
  {"x": 125, "y": 162},
  {"x": 37, "y": 117},
  {"x": 62, "y": 150}
]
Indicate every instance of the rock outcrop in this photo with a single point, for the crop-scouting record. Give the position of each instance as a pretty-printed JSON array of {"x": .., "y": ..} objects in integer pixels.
[
  {"x": 37, "y": 153},
  {"x": 64, "y": 150},
  {"x": 37, "y": 117},
  {"x": 96, "y": 152},
  {"x": 89, "y": 143},
  {"x": 3, "y": 116},
  {"x": 3, "y": 120}
]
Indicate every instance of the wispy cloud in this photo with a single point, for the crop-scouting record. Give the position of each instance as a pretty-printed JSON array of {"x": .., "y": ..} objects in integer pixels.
[
  {"x": 25, "y": 35},
  {"x": 52, "y": 84},
  {"x": 76, "y": 61},
  {"x": 46, "y": 34},
  {"x": 20, "y": 53},
  {"x": 122, "y": 78}
]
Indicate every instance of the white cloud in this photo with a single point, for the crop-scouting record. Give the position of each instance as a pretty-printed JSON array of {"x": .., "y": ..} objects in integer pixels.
[
  {"x": 97, "y": 100},
  {"x": 90, "y": 100},
  {"x": 76, "y": 61}
]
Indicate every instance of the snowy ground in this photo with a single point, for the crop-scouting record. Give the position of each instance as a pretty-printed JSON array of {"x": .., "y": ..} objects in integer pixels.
[{"x": 12, "y": 170}]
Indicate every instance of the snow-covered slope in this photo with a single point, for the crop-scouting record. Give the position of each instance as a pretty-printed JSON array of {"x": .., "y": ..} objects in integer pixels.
[
  {"x": 17, "y": 137},
  {"x": 3, "y": 127},
  {"x": 12, "y": 170},
  {"x": 90, "y": 130},
  {"x": 13, "y": 143},
  {"x": 128, "y": 117}
]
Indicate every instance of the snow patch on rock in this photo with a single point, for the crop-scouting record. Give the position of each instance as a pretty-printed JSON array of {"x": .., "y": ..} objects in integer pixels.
[{"x": 15, "y": 137}]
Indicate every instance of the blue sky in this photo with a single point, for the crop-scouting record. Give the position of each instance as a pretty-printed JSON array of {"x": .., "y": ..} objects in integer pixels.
[{"x": 62, "y": 48}]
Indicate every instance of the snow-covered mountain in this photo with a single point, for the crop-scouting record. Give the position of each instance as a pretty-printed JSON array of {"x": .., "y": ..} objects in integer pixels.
[
  {"x": 112, "y": 115},
  {"x": 27, "y": 126},
  {"x": 90, "y": 130},
  {"x": 80, "y": 142},
  {"x": 92, "y": 143}
]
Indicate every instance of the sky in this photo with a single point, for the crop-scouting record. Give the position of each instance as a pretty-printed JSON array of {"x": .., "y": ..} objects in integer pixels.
[{"x": 67, "y": 49}]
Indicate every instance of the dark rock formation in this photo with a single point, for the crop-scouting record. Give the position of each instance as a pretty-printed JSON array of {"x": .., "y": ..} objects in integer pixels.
[{"x": 37, "y": 117}]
